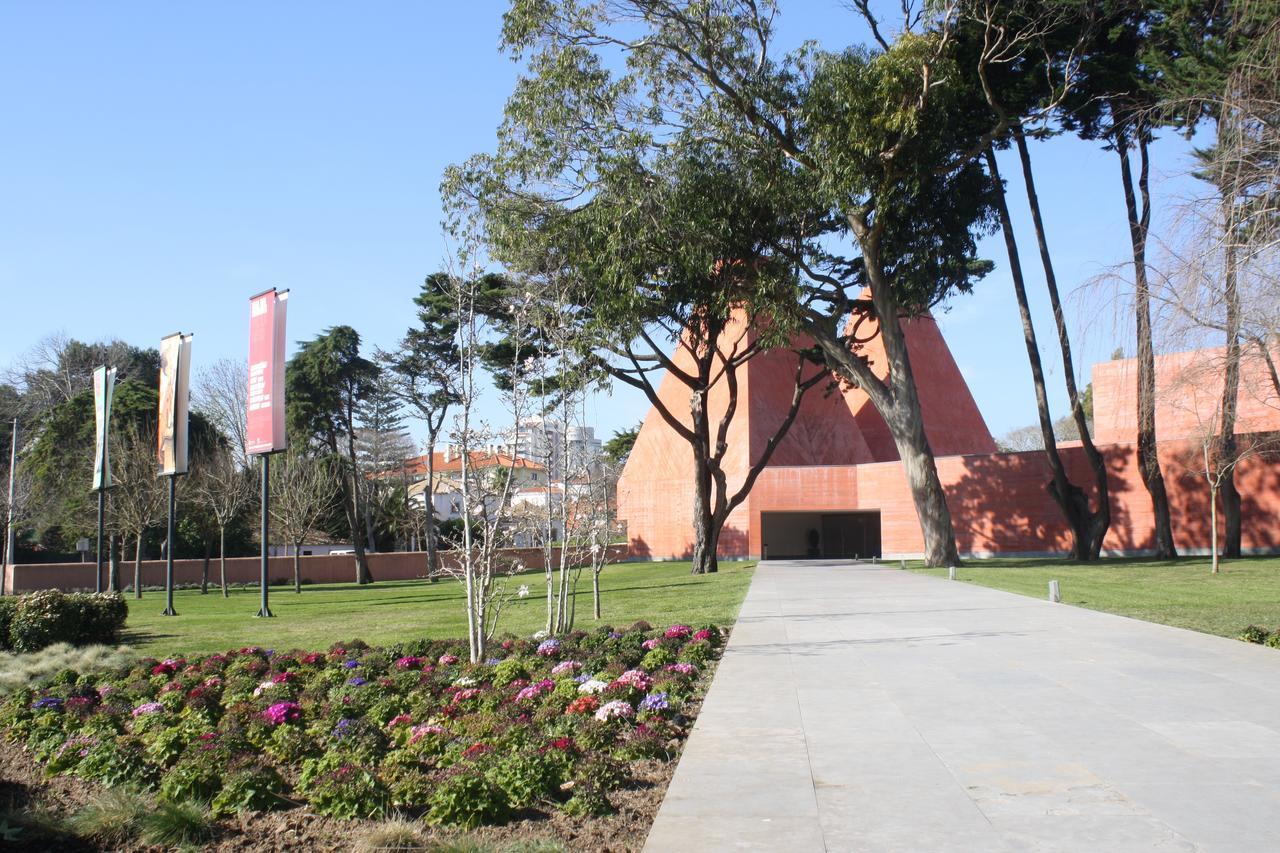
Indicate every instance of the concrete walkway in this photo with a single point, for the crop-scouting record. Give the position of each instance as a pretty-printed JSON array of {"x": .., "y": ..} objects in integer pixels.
[{"x": 861, "y": 707}]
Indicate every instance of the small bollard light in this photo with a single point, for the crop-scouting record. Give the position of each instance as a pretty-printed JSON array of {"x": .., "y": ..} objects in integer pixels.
[
  {"x": 951, "y": 572},
  {"x": 904, "y": 564},
  {"x": 873, "y": 561},
  {"x": 1054, "y": 595}
]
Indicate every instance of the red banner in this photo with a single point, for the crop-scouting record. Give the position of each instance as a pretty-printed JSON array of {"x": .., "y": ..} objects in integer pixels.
[{"x": 266, "y": 373}]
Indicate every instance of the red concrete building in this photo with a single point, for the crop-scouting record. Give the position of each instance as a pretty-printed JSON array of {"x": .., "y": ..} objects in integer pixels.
[{"x": 835, "y": 487}]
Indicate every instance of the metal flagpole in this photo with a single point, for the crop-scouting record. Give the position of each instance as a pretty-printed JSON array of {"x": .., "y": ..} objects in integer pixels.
[
  {"x": 265, "y": 611},
  {"x": 168, "y": 550},
  {"x": 10, "y": 537}
]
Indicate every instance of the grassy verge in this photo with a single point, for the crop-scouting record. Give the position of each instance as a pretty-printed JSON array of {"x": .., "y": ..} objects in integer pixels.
[
  {"x": 1180, "y": 592},
  {"x": 390, "y": 611}
]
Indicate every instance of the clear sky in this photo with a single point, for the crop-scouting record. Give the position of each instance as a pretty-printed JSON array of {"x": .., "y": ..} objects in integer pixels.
[{"x": 161, "y": 162}]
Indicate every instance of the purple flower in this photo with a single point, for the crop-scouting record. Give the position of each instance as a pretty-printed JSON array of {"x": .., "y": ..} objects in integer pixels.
[
  {"x": 356, "y": 681},
  {"x": 549, "y": 647},
  {"x": 351, "y": 664},
  {"x": 54, "y": 702},
  {"x": 493, "y": 661},
  {"x": 342, "y": 729},
  {"x": 614, "y": 635},
  {"x": 148, "y": 708},
  {"x": 655, "y": 702}
]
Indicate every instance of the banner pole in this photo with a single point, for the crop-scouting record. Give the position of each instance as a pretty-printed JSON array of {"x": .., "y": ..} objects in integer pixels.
[
  {"x": 264, "y": 611},
  {"x": 168, "y": 551},
  {"x": 10, "y": 535},
  {"x": 102, "y": 505}
]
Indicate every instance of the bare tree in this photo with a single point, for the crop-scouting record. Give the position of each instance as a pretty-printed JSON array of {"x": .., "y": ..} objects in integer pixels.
[
  {"x": 220, "y": 394},
  {"x": 137, "y": 500},
  {"x": 302, "y": 491},
  {"x": 484, "y": 490},
  {"x": 224, "y": 487}
]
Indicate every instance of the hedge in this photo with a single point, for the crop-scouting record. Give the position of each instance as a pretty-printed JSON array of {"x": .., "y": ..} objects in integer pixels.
[{"x": 31, "y": 622}]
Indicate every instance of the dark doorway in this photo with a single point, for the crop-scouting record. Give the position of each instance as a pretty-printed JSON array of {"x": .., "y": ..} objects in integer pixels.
[{"x": 820, "y": 535}]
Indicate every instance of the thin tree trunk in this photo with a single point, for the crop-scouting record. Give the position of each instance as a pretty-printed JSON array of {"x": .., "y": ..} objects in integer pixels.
[
  {"x": 113, "y": 574},
  {"x": 137, "y": 566},
  {"x": 1068, "y": 496},
  {"x": 595, "y": 594},
  {"x": 1148, "y": 451},
  {"x": 204, "y": 574},
  {"x": 363, "y": 575},
  {"x": 222, "y": 559},
  {"x": 433, "y": 558},
  {"x": 1099, "y": 520},
  {"x": 1227, "y": 444},
  {"x": 297, "y": 567}
]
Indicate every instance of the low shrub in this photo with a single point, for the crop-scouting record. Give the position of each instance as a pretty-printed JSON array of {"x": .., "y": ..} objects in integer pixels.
[
  {"x": 40, "y": 619},
  {"x": 1255, "y": 634}
]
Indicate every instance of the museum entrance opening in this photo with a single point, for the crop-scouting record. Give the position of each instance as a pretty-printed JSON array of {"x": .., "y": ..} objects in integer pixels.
[{"x": 820, "y": 535}]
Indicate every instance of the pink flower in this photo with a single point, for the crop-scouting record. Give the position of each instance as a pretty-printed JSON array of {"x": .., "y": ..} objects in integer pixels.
[
  {"x": 678, "y": 632},
  {"x": 284, "y": 677},
  {"x": 417, "y": 733},
  {"x": 682, "y": 668},
  {"x": 282, "y": 712},
  {"x": 564, "y": 667},
  {"x": 704, "y": 634},
  {"x": 464, "y": 695},
  {"x": 400, "y": 720},
  {"x": 636, "y": 678},
  {"x": 447, "y": 660},
  {"x": 533, "y": 691},
  {"x": 619, "y": 709},
  {"x": 651, "y": 644},
  {"x": 409, "y": 662},
  {"x": 148, "y": 708}
]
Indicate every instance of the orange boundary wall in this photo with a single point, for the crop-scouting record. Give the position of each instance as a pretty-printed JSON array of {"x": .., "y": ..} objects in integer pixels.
[{"x": 321, "y": 568}]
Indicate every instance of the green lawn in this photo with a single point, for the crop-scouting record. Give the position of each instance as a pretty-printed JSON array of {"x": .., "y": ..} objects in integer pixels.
[
  {"x": 388, "y": 611},
  {"x": 1181, "y": 592}
]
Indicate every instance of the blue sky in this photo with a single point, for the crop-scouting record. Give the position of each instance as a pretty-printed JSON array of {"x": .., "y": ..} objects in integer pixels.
[{"x": 160, "y": 163}]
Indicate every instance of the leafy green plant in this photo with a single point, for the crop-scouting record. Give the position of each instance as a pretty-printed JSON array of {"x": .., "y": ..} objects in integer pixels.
[
  {"x": 195, "y": 778},
  {"x": 348, "y": 791},
  {"x": 251, "y": 786},
  {"x": 525, "y": 777},
  {"x": 468, "y": 800}
]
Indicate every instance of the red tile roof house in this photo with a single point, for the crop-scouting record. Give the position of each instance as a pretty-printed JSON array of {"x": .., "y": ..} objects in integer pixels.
[
  {"x": 447, "y": 474},
  {"x": 836, "y": 477}
]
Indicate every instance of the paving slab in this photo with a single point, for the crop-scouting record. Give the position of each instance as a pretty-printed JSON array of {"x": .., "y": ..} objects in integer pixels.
[{"x": 864, "y": 708}]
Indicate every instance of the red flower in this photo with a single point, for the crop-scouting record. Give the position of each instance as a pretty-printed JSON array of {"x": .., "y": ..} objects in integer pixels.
[{"x": 476, "y": 750}]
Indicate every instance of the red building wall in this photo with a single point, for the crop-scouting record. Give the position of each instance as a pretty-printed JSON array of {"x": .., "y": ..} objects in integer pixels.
[{"x": 839, "y": 457}]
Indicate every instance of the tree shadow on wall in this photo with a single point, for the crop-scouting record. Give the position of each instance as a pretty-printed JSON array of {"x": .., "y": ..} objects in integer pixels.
[
  {"x": 1001, "y": 502},
  {"x": 1258, "y": 480},
  {"x": 733, "y": 543}
]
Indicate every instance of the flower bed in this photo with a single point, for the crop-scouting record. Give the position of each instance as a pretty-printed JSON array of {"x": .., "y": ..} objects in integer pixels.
[{"x": 358, "y": 732}]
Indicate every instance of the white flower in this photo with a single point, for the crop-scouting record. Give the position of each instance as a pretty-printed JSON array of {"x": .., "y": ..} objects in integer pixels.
[
  {"x": 266, "y": 685},
  {"x": 523, "y": 592},
  {"x": 541, "y": 635},
  {"x": 592, "y": 685},
  {"x": 465, "y": 681}
]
